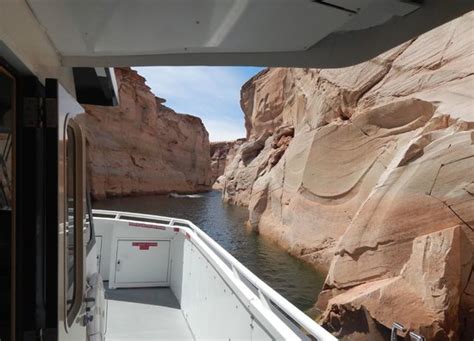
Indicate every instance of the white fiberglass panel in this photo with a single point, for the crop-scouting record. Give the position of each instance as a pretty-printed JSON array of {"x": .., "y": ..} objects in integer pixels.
[
  {"x": 139, "y": 27},
  {"x": 212, "y": 309},
  {"x": 144, "y": 262},
  {"x": 176, "y": 265},
  {"x": 104, "y": 229},
  {"x": 137, "y": 254}
]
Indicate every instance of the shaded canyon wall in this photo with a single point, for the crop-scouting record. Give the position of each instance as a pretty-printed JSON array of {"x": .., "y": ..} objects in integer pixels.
[
  {"x": 368, "y": 172},
  {"x": 221, "y": 154},
  {"x": 143, "y": 147}
]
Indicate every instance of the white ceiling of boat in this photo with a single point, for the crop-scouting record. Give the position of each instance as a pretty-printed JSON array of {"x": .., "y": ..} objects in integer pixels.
[
  {"x": 128, "y": 27},
  {"x": 93, "y": 28}
]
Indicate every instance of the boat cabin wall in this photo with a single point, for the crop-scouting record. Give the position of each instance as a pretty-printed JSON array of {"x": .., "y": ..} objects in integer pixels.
[{"x": 40, "y": 149}]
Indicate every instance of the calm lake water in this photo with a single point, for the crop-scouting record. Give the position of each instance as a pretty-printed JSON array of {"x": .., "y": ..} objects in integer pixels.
[{"x": 296, "y": 281}]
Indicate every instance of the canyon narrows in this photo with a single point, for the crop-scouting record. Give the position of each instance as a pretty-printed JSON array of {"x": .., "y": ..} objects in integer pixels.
[{"x": 368, "y": 172}]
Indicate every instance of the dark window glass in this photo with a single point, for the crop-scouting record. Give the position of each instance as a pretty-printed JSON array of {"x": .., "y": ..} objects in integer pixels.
[
  {"x": 7, "y": 107},
  {"x": 71, "y": 210}
]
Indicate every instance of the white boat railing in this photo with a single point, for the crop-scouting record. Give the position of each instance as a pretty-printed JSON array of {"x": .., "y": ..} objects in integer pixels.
[{"x": 268, "y": 296}]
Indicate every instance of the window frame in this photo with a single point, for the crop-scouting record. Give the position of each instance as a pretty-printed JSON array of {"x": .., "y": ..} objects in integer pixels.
[
  {"x": 11, "y": 73},
  {"x": 79, "y": 218},
  {"x": 8, "y": 74}
]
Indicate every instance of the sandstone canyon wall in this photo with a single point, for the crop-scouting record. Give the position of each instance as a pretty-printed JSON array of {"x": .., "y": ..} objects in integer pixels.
[
  {"x": 218, "y": 152},
  {"x": 221, "y": 154},
  {"x": 368, "y": 172},
  {"x": 143, "y": 147}
]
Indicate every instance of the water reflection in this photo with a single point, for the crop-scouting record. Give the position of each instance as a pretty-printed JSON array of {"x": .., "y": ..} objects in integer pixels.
[{"x": 293, "y": 279}]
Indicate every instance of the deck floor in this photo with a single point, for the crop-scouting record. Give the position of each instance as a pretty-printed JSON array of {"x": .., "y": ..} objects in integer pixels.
[{"x": 145, "y": 314}]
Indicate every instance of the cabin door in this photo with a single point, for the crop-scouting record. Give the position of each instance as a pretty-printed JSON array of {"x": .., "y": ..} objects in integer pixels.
[{"x": 135, "y": 255}]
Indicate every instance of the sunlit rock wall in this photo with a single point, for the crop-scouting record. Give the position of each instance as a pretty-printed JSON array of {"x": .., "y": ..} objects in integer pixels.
[
  {"x": 143, "y": 147},
  {"x": 368, "y": 172}
]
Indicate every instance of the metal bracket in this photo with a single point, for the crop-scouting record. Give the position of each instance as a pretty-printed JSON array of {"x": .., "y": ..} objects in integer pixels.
[
  {"x": 416, "y": 337},
  {"x": 396, "y": 327}
]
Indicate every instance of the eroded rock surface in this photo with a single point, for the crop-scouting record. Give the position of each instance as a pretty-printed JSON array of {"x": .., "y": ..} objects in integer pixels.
[
  {"x": 143, "y": 147},
  {"x": 221, "y": 154},
  {"x": 425, "y": 295},
  {"x": 368, "y": 172}
]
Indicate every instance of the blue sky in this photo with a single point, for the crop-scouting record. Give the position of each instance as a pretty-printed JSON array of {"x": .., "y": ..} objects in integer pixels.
[{"x": 211, "y": 93}]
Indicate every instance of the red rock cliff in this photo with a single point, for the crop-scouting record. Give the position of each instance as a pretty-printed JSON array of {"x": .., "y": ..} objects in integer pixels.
[
  {"x": 143, "y": 147},
  {"x": 368, "y": 171}
]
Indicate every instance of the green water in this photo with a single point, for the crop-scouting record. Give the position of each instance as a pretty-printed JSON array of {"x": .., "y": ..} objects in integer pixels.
[{"x": 296, "y": 281}]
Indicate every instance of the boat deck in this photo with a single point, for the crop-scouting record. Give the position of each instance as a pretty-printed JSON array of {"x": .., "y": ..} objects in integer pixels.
[
  {"x": 145, "y": 314},
  {"x": 209, "y": 295}
]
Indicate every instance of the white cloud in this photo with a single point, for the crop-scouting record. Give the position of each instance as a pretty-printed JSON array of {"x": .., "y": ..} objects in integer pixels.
[
  {"x": 212, "y": 93},
  {"x": 223, "y": 130}
]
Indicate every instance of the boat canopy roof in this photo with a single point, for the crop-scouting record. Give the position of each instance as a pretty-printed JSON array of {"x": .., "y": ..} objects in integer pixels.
[{"x": 305, "y": 33}]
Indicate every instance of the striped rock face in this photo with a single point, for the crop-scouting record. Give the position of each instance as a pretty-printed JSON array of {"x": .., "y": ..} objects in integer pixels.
[
  {"x": 374, "y": 184},
  {"x": 143, "y": 147}
]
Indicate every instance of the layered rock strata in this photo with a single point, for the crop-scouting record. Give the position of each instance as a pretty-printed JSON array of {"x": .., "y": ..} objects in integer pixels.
[
  {"x": 368, "y": 172},
  {"x": 143, "y": 147}
]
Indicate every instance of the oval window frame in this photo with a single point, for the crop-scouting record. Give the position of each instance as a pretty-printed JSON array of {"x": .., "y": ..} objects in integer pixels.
[{"x": 79, "y": 217}]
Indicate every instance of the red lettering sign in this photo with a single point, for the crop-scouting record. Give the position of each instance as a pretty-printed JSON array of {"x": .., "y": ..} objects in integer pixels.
[
  {"x": 149, "y": 226},
  {"x": 144, "y": 245}
]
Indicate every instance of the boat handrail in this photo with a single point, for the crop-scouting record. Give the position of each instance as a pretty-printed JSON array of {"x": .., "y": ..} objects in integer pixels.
[{"x": 265, "y": 293}]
